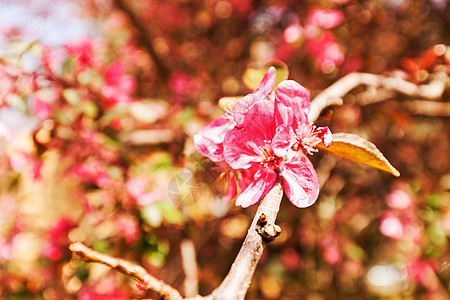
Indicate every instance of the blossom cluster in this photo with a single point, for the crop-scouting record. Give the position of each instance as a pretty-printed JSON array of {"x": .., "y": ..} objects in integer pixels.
[{"x": 260, "y": 139}]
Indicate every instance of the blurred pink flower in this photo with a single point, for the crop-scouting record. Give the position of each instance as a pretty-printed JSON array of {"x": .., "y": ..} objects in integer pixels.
[
  {"x": 83, "y": 51},
  {"x": 41, "y": 109},
  {"x": 325, "y": 18},
  {"x": 398, "y": 199},
  {"x": 423, "y": 272},
  {"x": 118, "y": 86},
  {"x": 128, "y": 228},
  {"x": 327, "y": 53},
  {"x": 92, "y": 171},
  {"x": 391, "y": 226},
  {"x": 138, "y": 189}
]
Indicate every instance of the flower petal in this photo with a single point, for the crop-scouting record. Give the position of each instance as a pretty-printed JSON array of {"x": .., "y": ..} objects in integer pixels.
[
  {"x": 259, "y": 120},
  {"x": 216, "y": 129},
  {"x": 209, "y": 149},
  {"x": 283, "y": 140},
  {"x": 300, "y": 181},
  {"x": 325, "y": 135},
  {"x": 267, "y": 83},
  {"x": 292, "y": 94},
  {"x": 241, "y": 107},
  {"x": 241, "y": 149},
  {"x": 260, "y": 186},
  {"x": 261, "y": 93}
]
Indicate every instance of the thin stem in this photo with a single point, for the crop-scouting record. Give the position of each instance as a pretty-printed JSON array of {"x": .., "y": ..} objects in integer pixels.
[
  {"x": 163, "y": 290},
  {"x": 262, "y": 231}
]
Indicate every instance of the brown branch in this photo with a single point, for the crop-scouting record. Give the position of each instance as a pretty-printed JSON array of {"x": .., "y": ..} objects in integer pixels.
[
  {"x": 163, "y": 290},
  {"x": 428, "y": 108},
  {"x": 235, "y": 285},
  {"x": 189, "y": 263},
  {"x": 383, "y": 87},
  {"x": 262, "y": 231},
  {"x": 144, "y": 37}
]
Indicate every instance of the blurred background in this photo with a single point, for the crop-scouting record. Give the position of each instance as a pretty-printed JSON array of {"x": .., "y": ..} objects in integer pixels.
[{"x": 99, "y": 100}]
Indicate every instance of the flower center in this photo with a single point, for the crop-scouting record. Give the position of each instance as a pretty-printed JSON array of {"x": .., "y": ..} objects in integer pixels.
[{"x": 307, "y": 138}]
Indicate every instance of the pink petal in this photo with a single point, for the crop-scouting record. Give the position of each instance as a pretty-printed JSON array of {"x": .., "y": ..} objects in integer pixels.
[
  {"x": 241, "y": 107},
  {"x": 283, "y": 140},
  {"x": 325, "y": 135},
  {"x": 209, "y": 149},
  {"x": 292, "y": 94},
  {"x": 241, "y": 149},
  {"x": 261, "y": 93},
  {"x": 300, "y": 181},
  {"x": 259, "y": 120},
  {"x": 267, "y": 83},
  {"x": 216, "y": 130},
  {"x": 283, "y": 115},
  {"x": 242, "y": 146},
  {"x": 260, "y": 186}
]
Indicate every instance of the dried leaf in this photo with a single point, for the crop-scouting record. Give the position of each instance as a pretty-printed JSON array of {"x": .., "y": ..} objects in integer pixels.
[{"x": 354, "y": 147}]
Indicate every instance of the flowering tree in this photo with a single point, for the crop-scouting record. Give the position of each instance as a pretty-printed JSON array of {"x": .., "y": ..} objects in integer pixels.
[{"x": 105, "y": 153}]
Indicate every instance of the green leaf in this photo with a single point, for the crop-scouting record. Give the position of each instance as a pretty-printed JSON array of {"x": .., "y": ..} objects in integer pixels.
[{"x": 354, "y": 147}]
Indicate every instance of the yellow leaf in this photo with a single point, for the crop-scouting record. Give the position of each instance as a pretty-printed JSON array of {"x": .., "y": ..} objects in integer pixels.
[
  {"x": 252, "y": 77},
  {"x": 227, "y": 103},
  {"x": 354, "y": 147}
]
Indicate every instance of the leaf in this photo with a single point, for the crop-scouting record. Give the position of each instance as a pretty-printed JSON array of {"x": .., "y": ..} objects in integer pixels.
[
  {"x": 252, "y": 77},
  {"x": 227, "y": 103},
  {"x": 354, "y": 147}
]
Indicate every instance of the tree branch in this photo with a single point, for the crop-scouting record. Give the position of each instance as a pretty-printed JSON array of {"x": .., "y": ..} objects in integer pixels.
[
  {"x": 163, "y": 290},
  {"x": 235, "y": 285},
  {"x": 262, "y": 231},
  {"x": 189, "y": 263},
  {"x": 384, "y": 87}
]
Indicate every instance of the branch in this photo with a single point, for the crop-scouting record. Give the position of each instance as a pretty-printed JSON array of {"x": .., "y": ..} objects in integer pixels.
[
  {"x": 235, "y": 285},
  {"x": 163, "y": 290},
  {"x": 383, "y": 88},
  {"x": 144, "y": 37},
  {"x": 190, "y": 268},
  {"x": 429, "y": 108},
  {"x": 261, "y": 232}
]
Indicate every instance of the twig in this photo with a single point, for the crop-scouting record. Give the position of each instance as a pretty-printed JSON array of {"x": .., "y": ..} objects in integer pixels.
[
  {"x": 385, "y": 87},
  {"x": 235, "y": 285},
  {"x": 261, "y": 232},
  {"x": 429, "y": 108},
  {"x": 144, "y": 37},
  {"x": 163, "y": 290},
  {"x": 190, "y": 268}
]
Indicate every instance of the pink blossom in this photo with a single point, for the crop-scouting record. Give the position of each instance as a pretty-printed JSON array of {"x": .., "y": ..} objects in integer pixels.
[
  {"x": 267, "y": 139},
  {"x": 326, "y": 51},
  {"x": 83, "y": 50},
  {"x": 209, "y": 140},
  {"x": 128, "y": 228},
  {"x": 325, "y": 18},
  {"x": 269, "y": 143},
  {"x": 391, "y": 226},
  {"x": 398, "y": 199},
  {"x": 138, "y": 188},
  {"x": 118, "y": 86},
  {"x": 41, "y": 109}
]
